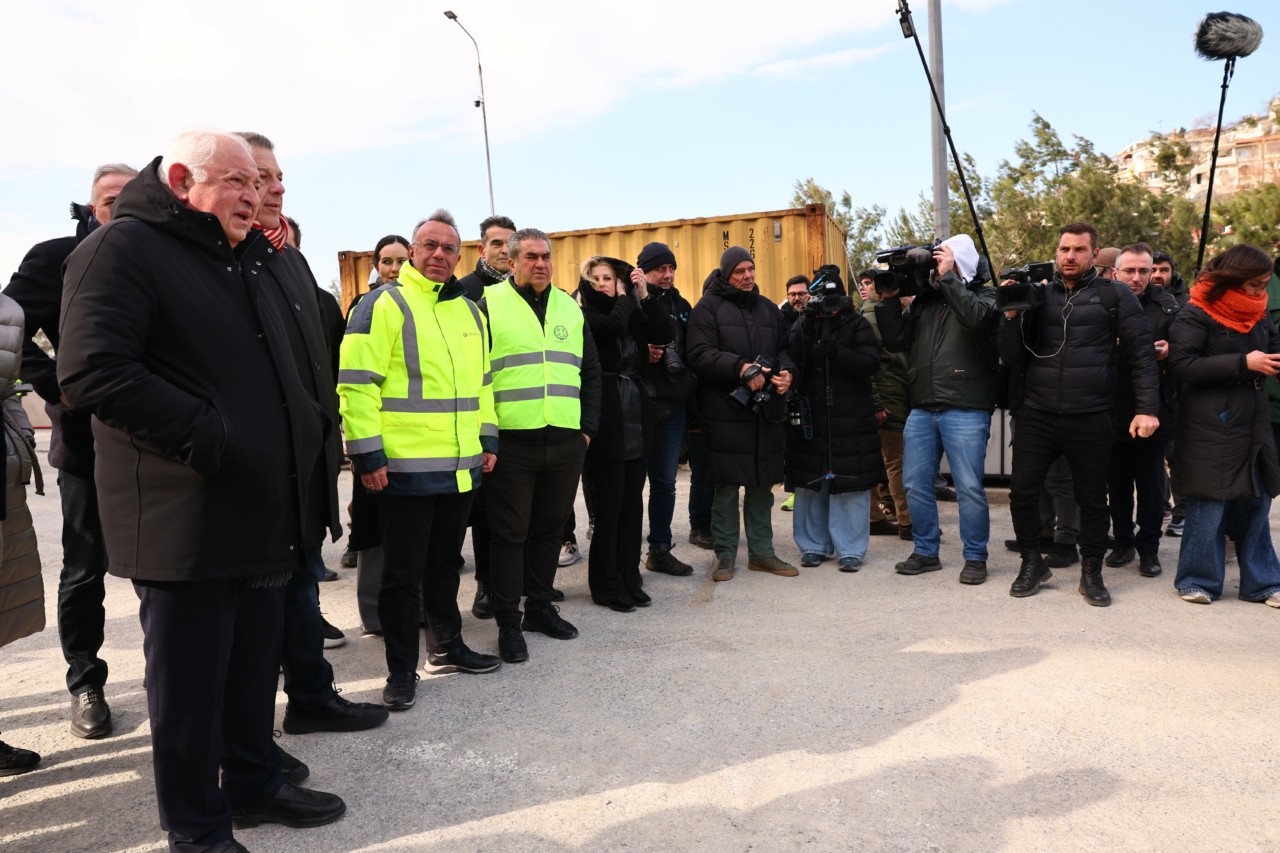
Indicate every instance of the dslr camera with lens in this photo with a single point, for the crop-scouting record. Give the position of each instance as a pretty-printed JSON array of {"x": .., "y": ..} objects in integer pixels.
[
  {"x": 827, "y": 297},
  {"x": 1025, "y": 293},
  {"x": 909, "y": 269},
  {"x": 743, "y": 396}
]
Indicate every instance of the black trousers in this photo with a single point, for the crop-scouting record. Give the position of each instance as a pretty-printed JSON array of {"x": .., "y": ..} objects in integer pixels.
[
  {"x": 308, "y": 677},
  {"x": 81, "y": 590},
  {"x": 422, "y": 538},
  {"x": 613, "y": 569},
  {"x": 480, "y": 537},
  {"x": 1084, "y": 440},
  {"x": 213, "y": 654},
  {"x": 1137, "y": 464},
  {"x": 528, "y": 495}
]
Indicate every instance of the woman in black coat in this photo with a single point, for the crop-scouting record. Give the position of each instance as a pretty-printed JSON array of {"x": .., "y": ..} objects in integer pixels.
[
  {"x": 833, "y": 459},
  {"x": 623, "y": 323},
  {"x": 737, "y": 344},
  {"x": 1221, "y": 346}
]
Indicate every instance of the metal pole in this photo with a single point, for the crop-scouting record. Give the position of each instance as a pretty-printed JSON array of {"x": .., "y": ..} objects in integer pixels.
[
  {"x": 941, "y": 184},
  {"x": 484, "y": 113}
]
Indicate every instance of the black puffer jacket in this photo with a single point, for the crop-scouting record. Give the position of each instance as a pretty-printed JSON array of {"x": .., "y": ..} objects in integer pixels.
[
  {"x": 851, "y": 436},
  {"x": 623, "y": 328},
  {"x": 1159, "y": 307},
  {"x": 947, "y": 334},
  {"x": 1079, "y": 375},
  {"x": 729, "y": 328},
  {"x": 206, "y": 438},
  {"x": 670, "y": 391},
  {"x": 1223, "y": 433}
]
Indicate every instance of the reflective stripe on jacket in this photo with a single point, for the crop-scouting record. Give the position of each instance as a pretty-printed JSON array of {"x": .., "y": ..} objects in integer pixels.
[
  {"x": 415, "y": 387},
  {"x": 537, "y": 368}
]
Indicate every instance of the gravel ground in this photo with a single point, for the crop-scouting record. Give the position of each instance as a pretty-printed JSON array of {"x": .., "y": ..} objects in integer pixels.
[{"x": 831, "y": 711}]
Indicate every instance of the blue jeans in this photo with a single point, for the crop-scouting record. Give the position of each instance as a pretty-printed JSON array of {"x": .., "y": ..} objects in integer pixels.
[
  {"x": 1202, "y": 559},
  {"x": 962, "y": 434},
  {"x": 824, "y": 523},
  {"x": 663, "y": 461}
]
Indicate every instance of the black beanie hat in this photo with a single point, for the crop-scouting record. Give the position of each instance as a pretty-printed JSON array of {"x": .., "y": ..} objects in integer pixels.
[
  {"x": 654, "y": 255},
  {"x": 732, "y": 256}
]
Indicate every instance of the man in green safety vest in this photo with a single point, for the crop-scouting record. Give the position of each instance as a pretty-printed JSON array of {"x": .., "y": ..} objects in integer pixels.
[
  {"x": 417, "y": 409},
  {"x": 546, "y": 391}
]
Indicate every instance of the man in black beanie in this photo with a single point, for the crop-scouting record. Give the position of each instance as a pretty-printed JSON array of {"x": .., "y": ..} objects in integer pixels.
[{"x": 673, "y": 392}]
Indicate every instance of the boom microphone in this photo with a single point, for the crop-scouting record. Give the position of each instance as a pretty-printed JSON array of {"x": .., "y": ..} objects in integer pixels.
[{"x": 1226, "y": 35}]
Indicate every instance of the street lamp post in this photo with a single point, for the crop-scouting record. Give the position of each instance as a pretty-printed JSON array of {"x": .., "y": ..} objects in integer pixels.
[{"x": 484, "y": 115}]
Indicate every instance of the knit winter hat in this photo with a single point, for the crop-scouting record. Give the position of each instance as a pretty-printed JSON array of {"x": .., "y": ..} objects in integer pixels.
[
  {"x": 654, "y": 255},
  {"x": 733, "y": 256}
]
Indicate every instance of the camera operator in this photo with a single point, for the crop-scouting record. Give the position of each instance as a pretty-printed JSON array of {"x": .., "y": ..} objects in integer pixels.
[
  {"x": 1063, "y": 354},
  {"x": 946, "y": 332},
  {"x": 738, "y": 349},
  {"x": 833, "y": 446}
]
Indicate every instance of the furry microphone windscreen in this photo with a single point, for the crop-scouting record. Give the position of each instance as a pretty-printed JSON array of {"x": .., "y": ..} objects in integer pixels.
[{"x": 1226, "y": 35}]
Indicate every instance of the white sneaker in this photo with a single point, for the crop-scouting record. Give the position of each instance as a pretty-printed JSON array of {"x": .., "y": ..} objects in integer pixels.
[
  {"x": 1273, "y": 600},
  {"x": 569, "y": 554},
  {"x": 1199, "y": 596}
]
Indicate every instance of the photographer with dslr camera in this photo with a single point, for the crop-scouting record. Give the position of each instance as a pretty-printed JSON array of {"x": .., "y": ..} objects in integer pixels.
[
  {"x": 737, "y": 346},
  {"x": 1064, "y": 352},
  {"x": 833, "y": 443},
  {"x": 946, "y": 331}
]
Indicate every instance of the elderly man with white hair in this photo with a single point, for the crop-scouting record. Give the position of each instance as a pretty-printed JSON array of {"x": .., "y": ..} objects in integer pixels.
[
  {"x": 946, "y": 331},
  {"x": 206, "y": 441}
]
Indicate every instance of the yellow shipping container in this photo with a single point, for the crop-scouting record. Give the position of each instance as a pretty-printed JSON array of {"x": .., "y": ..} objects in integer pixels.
[{"x": 783, "y": 243}]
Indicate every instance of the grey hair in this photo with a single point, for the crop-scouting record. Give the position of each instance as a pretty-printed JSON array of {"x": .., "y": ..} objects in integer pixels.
[
  {"x": 196, "y": 149},
  {"x": 513, "y": 244},
  {"x": 255, "y": 140},
  {"x": 442, "y": 216},
  {"x": 110, "y": 169}
]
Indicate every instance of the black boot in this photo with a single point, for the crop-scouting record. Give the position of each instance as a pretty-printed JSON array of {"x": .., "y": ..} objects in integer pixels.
[
  {"x": 1091, "y": 582},
  {"x": 482, "y": 607},
  {"x": 1032, "y": 573},
  {"x": 511, "y": 645}
]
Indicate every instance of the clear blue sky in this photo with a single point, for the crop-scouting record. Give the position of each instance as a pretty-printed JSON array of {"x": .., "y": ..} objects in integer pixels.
[{"x": 600, "y": 114}]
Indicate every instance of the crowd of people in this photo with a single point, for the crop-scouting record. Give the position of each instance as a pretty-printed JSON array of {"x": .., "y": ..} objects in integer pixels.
[{"x": 201, "y": 384}]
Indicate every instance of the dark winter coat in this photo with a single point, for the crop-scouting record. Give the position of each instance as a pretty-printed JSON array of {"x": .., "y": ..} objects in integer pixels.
[
  {"x": 1079, "y": 375},
  {"x": 37, "y": 288},
  {"x": 21, "y": 586},
  {"x": 671, "y": 392},
  {"x": 476, "y": 281},
  {"x": 206, "y": 437},
  {"x": 1159, "y": 307},
  {"x": 891, "y": 384},
  {"x": 947, "y": 335},
  {"x": 623, "y": 328},
  {"x": 844, "y": 439},
  {"x": 1223, "y": 432},
  {"x": 728, "y": 329}
]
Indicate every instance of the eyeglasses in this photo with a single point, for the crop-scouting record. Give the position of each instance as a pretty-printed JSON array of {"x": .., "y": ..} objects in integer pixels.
[{"x": 430, "y": 247}]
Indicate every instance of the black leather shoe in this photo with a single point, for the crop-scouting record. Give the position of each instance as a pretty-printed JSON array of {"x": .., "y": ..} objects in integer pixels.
[
  {"x": 511, "y": 645},
  {"x": 884, "y": 527},
  {"x": 1060, "y": 555},
  {"x": 557, "y": 594},
  {"x": 482, "y": 607},
  {"x": 293, "y": 770},
  {"x": 641, "y": 598},
  {"x": 617, "y": 605},
  {"x": 461, "y": 659},
  {"x": 946, "y": 493},
  {"x": 1149, "y": 566},
  {"x": 401, "y": 691},
  {"x": 662, "y": 560},
  {"x": 546, "y": 620},
  {"x": 14, "y": 760},
  {"x": 974, "y": 572},
  {"x": 918, "y": 564},
  {"x": 1032, "y": 573},
  {"x": 348, "y": 559},
  {"x": 228, "y": 846},
  {"x": 332, "y": 714},
  {"x": 701, "y": 539},
  {"x": 1091, "y": 586},
  {"x": 1122, "y": 556},
  {"x": 90, "y": 714},
  {"x": 328, "y": 576},
  {"x": 1046, "y": 542},
  {"x": 291, "y": 806}
]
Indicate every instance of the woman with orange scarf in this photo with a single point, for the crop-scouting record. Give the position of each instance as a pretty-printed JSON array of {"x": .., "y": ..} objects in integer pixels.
[{"x": 1221, "y": 346}]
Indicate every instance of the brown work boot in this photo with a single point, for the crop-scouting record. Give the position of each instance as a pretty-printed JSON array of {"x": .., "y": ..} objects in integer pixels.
[
  {"x": 773, "y": 566},
  {"x": 722, "y": 569}
]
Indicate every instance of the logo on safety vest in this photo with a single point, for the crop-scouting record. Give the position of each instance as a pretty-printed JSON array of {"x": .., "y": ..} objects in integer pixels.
[{"x": 561, "y": 333}]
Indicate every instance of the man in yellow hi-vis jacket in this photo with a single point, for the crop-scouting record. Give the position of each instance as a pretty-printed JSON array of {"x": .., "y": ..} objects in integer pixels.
[
  {"x": 417, "y": 410},
  {"x": 546, "y": 391}
]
